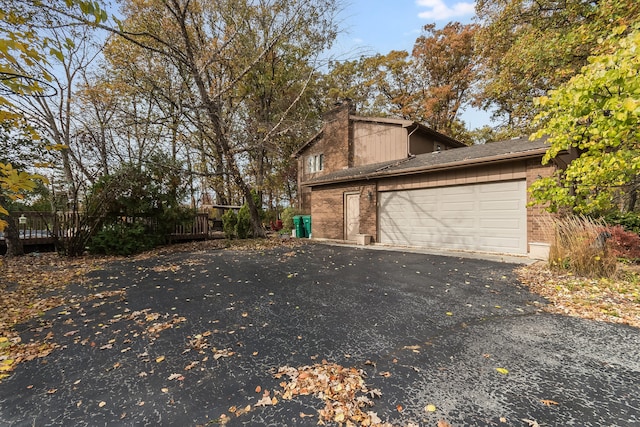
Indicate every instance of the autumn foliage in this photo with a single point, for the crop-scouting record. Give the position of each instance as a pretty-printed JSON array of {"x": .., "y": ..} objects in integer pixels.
[{"x": 624, "y": 244}]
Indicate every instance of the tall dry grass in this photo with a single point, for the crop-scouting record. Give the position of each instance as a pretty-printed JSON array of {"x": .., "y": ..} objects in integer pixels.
[{"x": 579, "y": 245}]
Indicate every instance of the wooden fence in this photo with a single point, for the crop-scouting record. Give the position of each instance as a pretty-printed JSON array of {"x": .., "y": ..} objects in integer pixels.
[{"x": 42, "y": 228}]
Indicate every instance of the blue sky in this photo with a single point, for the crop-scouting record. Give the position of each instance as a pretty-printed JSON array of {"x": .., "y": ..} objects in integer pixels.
[{"x": 380, "y": 26}]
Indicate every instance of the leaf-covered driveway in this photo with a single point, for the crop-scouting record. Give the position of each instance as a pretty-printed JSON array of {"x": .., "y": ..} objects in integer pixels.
[{"x": 294, "y": 336}]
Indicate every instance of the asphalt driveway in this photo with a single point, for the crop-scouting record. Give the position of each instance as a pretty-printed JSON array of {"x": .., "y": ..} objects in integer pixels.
[{"x": 181, "y": 339}]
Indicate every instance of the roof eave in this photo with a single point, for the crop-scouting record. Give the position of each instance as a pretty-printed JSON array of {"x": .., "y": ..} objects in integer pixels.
[
  {"x": 306, "y": 145},
  {"x": 435, "y": 168}
]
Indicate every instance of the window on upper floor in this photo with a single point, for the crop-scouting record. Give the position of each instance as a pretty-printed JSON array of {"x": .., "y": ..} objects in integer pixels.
[{"x": 316, "y": 163}]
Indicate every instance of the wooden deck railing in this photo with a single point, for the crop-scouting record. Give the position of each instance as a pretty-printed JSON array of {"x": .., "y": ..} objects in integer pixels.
[{"x": 45, "y": 227}]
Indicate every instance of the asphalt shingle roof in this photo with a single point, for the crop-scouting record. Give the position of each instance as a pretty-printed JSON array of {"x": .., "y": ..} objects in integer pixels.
[{"x": 491, "y": 152}]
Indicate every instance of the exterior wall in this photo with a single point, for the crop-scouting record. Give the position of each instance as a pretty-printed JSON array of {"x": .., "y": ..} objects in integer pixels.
[
  {"x": 328, "y": 210},
  {"x": 378, "y": 142},
  {"x": 334, "y": 144},
  {"x": 421, "y": 143},
  {"x": 328, "y": 201},
  {"x": 488, "y": 173},
  {"x": 537, "y": 217}
]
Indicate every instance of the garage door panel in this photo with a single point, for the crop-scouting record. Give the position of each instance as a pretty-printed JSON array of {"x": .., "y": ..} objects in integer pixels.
[
  {"x": 484, "y": 217},
  {"x": 500, "y": 224},
  {"x": 500, "y": 205}
]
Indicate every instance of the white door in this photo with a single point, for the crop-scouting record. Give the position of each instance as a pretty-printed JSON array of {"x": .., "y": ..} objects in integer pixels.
[
  {"x": 352, "y": 216},
  {"x": 488, "y": 217}
]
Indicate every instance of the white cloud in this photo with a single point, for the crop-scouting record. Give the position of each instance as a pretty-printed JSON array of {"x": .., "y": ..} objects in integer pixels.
[{"x": 439, "y": 11}]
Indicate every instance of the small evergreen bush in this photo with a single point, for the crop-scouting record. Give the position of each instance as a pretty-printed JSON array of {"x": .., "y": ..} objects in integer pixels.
[
  {"x": 229, "y": 221},
  {"x": 122, "y": 239},
  {"x": 243, "y": 226},
  {"x": 287, "y": 218}
]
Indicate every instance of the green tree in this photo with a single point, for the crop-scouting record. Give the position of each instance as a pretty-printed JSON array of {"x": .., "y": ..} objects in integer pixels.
[
  {"x": 595, "y": 117},
  {"x": 530, "y": 47}
]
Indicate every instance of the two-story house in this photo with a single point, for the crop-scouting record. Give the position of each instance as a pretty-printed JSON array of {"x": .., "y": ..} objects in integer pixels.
[{"x": 398, "y": 182}]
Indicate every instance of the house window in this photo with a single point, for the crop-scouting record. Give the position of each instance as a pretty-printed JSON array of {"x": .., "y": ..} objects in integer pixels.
[{"x": 316, "y": 163}]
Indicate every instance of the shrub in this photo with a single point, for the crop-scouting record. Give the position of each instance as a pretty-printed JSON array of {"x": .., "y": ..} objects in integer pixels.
[
  {"x": 229, "y": 221},
  {"x": 630, "y": 221},
  {"x": 287, "y": 218},
  {"x": 243, "y": 226},
  {"x": 624, "y": 244},
  {"x": 122, "y": 239},
  {"x": 579, "y": 246}
]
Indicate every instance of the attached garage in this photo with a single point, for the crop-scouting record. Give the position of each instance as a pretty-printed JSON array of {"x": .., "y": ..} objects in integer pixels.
[
  {"x": 488, "y": 217},
  {"x": 470, "y": 199}
]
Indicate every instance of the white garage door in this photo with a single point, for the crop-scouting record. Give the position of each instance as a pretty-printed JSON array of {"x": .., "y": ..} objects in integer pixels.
[{"x": 489, "y": 217}]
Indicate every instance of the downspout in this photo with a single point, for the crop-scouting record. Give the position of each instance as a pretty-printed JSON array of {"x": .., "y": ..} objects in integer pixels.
[{"x": 409, "y": 141}]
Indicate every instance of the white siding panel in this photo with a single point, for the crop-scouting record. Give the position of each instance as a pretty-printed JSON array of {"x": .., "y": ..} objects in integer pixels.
[{"x": 489, "y": 217}]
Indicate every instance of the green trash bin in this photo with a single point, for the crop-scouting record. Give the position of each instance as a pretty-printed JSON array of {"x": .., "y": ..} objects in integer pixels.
[
  {"x": 298, "y": 225},
  {"x": 306, "y": 221}
]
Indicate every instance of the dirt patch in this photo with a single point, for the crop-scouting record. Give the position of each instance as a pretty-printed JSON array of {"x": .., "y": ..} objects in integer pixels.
[{"x": 609, "y": 300}]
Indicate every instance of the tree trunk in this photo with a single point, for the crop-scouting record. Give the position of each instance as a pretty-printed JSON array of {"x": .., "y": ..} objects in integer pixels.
[
  {"x": 12, "y": 238},
  {"x": 633, "y": 198}
]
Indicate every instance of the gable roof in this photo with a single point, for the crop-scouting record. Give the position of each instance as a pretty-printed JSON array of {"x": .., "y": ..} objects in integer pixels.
[
  {"x": 384, "y": 120},
  {"x": 408, "y": 123},
  {"x": 512, "y": 149}
]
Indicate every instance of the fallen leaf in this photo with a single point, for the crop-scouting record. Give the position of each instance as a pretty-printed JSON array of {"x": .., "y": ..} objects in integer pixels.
[
  {"x": 159, "y": 359},
  {"x": 548, "y": 402},
  {"x": 503, "y": 420},
  {"x": 443, "y": 423},
  {"x": 258, "y": 389},
  {"x": 164, "y": 390},
  {"x": 265, "y": 401},
  {"x": 101, "y": 404},
  {"x": 503, "y": 371},
  {"x": 430, "y": 408},
  {"x": 399, "y": 408},
  {"x": 448, "y": 313},
  {"x": 303, "y": 415},
  {"x": 385, "y": 374},
  {"x": 191, "y": 365},
  {"x": 532, "y": 423}
]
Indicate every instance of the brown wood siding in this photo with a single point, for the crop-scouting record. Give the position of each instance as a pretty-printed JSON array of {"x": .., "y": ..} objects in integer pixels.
[
  {"x": 328, "y": 210},
  {"x": 421, "y": 144},
  {"x": 378, "y": 142},
  {"x": 488, "y": 173}
]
